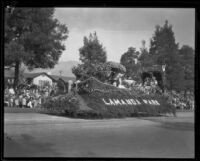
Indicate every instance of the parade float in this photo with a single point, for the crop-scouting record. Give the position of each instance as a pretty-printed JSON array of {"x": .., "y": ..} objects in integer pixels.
[{"x": 96, "y": 99}]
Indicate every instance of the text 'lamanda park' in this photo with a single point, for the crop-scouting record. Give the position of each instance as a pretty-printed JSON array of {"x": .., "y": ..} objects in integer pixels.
[{"x": 116, "y": 102}]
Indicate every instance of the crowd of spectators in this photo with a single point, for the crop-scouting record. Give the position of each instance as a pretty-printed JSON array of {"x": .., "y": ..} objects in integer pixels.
[
  {"x": 181, "y": 101},
  {"x": 27, "y": 97},
  {"x": 150, "y": 86}
]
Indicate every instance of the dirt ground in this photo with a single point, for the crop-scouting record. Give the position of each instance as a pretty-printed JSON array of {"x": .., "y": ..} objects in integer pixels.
[{"x": 41, "y": 135}]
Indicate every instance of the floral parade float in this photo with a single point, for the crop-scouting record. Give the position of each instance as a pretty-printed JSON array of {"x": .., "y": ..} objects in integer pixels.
[{"x": 97, "y": 99}]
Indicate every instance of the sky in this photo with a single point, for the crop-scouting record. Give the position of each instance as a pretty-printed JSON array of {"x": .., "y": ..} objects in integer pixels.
[{"x": 120, "y": 28}]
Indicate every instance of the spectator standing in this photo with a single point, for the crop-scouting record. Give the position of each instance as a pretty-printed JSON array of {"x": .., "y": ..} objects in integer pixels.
[
  {"x": 46, "y": 93},
  {"x": 16, "y": 101},
  {"x": 24, "y": 101},
  {"x": 39, "y": 100},
  {"x": 35, "y": 102},
  {"x": 30, "y": 103},
  {"x": 20, "y": 100},
  {"x": 11, "y": 91},
  {"x": 11, "y": 101}
]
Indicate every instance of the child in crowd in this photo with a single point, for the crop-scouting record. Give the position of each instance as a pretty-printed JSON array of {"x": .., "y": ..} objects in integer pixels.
[
  {"x": 11, "y": 101},
  {"x": 30, "y": 103}
]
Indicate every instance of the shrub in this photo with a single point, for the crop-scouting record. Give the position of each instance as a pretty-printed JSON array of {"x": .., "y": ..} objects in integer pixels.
[{"x": 63, "y": 104}]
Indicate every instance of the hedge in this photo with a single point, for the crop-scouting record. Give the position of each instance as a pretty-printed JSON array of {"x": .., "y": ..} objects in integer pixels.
[{"x": 66, "y": 104}]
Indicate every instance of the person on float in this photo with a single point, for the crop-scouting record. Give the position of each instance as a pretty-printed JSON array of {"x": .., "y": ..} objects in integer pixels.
[
  {"x": 120, "y": 82},
  {"x": 70, "y": 82},
  {"x": 76, "y": 83},
  {"x": 115, "y": 84}
]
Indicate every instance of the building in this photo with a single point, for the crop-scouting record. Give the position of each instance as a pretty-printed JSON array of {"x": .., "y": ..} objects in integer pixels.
[
  {"x": 9, "y": 75},
  {"x": 41, "y": 79},
  {"x": 38, "y": 79}
]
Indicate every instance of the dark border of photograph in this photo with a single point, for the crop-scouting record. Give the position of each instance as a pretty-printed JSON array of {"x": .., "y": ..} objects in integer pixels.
[{"x": 108, "y": 4}]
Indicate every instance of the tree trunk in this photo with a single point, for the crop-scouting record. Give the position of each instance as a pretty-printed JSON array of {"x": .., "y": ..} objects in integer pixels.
[{"x": 16, "y": 79}]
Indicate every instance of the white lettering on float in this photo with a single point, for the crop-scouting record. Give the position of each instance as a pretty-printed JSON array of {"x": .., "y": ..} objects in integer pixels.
[
  {"x": 145, "y": 101},
  {"x": 128, "y": 101},
  {"x": 157, "y": 102},
  {"x": 111, "y": 102},
  {"x": 150, "y": 102},
  {"x": 123, "y": 102},
  {"x": 138, "y": 102},
  {"x": 116, "y": 102},
  {"x": 107, "y": 103},
  {"x": 133, "y": 102}
]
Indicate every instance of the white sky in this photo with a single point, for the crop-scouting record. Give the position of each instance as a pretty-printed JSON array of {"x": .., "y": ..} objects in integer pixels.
[{"x": 120, "y": 28}]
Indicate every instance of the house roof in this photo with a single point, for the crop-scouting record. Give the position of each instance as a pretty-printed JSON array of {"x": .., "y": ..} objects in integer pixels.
[
  {"x": 66, "y": 79},
  {"x": 54, "y": 77},
  {"x": 9, "y": 73},
  {"x": 33, "y": 75}
]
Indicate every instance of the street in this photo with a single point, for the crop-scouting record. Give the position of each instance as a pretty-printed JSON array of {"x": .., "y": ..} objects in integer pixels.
[{"x": 41, "y": 135}]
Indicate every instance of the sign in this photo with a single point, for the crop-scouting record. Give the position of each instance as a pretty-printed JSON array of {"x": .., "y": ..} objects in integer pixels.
[{"x": 116, "y": 102}]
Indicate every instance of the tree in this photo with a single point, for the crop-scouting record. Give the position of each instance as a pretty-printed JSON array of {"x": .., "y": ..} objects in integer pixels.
[
  {"x": 163, "y": 45},
  {"x": 164, "y": 50},
  {"x": 187, "y": 62},
  {"x": 92, "y": 56},
  {"x": 33, "y": 37},
  {"x": 175, "y": 77},
  {"x": 129, "y": 60},
  {"x": 92, "y": 51},
  {"x": 145, "y": 59}
]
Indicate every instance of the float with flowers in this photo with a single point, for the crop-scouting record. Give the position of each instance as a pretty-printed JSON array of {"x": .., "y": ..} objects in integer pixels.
[{"x": 92, "y": 98}]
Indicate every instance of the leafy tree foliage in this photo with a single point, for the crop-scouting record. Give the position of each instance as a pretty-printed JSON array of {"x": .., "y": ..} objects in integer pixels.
[
  {"x": 33, "y": 37},
  {"x": 164, "y": 50},
  {"x": 93, "y": 56},
  {"x": 145, "y": 59},
  {"x": 163, "y": 45},
  {"x": 92, "y": 51},
  {"x": 129, "y": 60},
  {"x": 101, "y": 71},
  {"x": 174, "y": 77},
  {"x": 187, "y": 62}
]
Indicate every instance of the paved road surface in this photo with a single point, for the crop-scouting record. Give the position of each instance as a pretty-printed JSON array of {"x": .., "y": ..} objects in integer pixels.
[{"x": 40, "y": 135}]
